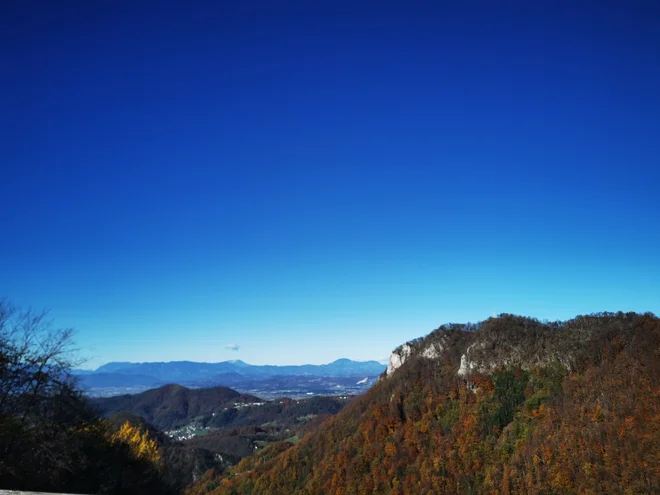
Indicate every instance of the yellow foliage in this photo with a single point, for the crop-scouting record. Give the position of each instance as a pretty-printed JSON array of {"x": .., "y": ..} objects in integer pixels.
[
  {"x": 597, "y": 414},
  {"x": 561, "y": 480},
  {"x": 138, "y": 441}
]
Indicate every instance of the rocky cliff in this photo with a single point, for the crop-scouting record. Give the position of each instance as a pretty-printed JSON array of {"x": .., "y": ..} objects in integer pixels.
[{"x": 507, "y": 340}]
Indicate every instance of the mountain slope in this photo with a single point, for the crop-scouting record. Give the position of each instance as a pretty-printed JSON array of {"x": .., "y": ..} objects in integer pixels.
[
  {"x": 173, "y": 405},
  {"x": 510, "y": 405},
  {"x": 223, "y": 435}
]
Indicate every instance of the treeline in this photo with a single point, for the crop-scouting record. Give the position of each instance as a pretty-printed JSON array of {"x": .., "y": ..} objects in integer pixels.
[{"x": 585, "y": 421}]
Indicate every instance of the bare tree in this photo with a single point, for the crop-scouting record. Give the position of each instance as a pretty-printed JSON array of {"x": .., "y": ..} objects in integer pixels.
[
  {"x": 51, "y": 438},
  {"x": 35, "y": 362}
]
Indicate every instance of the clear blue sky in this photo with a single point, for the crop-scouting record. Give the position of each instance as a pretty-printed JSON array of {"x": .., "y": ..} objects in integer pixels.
[{"x": 315, "y": 180}]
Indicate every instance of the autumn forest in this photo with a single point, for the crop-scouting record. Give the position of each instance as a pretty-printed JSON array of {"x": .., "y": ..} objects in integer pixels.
[
  {"x": 505, "y": 406},
  {"x": 523, "y": 422}
]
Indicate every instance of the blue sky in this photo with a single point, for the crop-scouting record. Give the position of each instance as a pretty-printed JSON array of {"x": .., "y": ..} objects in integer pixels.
[{"x": 315, "y": 180}]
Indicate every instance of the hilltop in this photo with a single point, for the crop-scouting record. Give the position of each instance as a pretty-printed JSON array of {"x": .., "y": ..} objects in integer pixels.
[
  {"x": 171, "y": 406},
  {"x": 507, "y": 405}
]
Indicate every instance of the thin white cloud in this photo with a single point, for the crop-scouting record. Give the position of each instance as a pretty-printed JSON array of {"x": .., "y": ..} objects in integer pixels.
[{"x": 233, "y": 347}]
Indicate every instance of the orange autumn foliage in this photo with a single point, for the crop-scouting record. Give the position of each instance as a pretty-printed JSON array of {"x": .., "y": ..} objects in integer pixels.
[{"x": 595, "y": 429}]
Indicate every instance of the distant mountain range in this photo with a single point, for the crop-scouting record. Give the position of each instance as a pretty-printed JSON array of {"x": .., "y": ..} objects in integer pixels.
[{"x": 128, "y": 375}]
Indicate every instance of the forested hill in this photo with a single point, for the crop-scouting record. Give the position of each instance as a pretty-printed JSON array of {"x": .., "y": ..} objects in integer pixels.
[
  {"x": 171, "y": 406},
  {"x": 509, "y": 405}
]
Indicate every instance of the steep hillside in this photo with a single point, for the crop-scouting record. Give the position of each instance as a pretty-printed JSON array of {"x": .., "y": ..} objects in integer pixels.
[
  {"x": 509, "y": 405},
  {"x": 173, "y": 405}
]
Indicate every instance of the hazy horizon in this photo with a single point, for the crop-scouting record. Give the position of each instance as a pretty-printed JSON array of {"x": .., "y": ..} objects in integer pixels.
[{"x": 85, "y": 368}]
